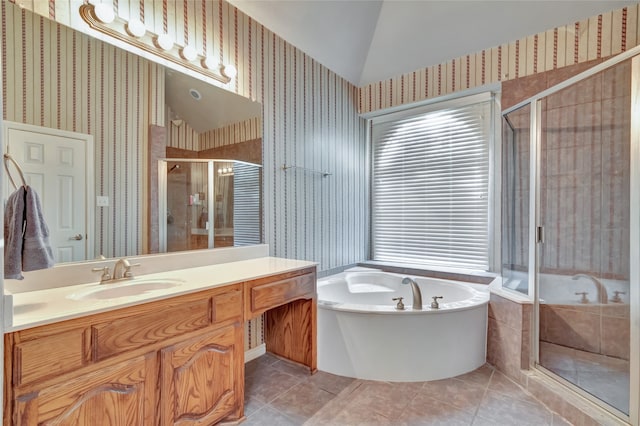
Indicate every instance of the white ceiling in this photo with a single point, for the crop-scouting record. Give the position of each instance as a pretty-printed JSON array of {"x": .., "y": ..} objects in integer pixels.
[
  {"x": 366, "y": 41},
  {"x": 216, "y": 108}
]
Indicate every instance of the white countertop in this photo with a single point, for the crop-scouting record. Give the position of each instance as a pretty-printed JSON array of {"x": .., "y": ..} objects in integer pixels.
[{"x": 52, "y": 305}]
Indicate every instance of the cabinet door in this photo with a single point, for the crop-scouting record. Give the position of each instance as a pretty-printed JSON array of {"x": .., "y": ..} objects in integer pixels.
[
  {"x": 202, "y": 378},
  {"x": 121, "y": 394}
]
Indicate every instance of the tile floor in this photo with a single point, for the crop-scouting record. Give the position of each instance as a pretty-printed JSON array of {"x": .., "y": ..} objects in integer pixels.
[
  {"x": 279, "y": 393},
  {"x": 603, "y": 376}
]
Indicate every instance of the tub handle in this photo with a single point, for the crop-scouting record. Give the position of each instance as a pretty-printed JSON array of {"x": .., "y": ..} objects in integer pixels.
[
  {"x": 584, "y": 298},
  {"x": 434, "y": 304},
  {"x": 400, "y": 305},
  {"x": 616, "y": 296}
]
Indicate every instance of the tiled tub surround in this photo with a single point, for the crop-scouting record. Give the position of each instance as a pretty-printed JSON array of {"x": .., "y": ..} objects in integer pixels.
[
  {"x": 509, "y": 351},
  {"x": 598, "y": 329},
  {"x": 509, "y": 335}
]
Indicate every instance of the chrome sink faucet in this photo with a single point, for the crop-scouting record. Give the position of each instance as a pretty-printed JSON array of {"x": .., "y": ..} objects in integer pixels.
[
  {"x": 601, "y": 290},
  {"x": 417, "y": 295}
]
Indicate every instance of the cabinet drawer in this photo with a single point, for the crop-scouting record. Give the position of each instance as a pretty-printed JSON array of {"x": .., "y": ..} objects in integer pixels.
[
  {"x": 125, "y": 334},
  {"x": 49, "y": 356},
  {"x": 267, "y": 295},
  {"x": 227, "y": 306}
]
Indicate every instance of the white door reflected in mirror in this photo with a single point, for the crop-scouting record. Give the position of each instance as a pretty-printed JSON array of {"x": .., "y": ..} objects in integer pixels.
[{"x": 54, "y": 164}]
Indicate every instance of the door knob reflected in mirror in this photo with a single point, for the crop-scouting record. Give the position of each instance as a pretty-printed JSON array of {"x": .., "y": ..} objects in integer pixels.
[{"x": 76, "y": 237}]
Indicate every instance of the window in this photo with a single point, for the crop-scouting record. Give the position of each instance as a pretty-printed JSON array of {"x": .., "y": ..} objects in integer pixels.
[{"x": 430, "y": 188}]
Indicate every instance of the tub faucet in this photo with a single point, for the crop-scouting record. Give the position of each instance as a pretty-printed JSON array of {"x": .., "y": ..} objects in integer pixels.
[
  {"x": 601, "y": 290},
  {"x": 417, "y": 295}
]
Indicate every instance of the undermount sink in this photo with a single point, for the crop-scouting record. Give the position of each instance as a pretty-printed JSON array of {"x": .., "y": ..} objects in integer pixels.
[{"x": 126, "y": 288}]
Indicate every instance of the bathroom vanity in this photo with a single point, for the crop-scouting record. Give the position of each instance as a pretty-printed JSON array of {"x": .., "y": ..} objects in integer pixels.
[{"x": 173, "y": 356}]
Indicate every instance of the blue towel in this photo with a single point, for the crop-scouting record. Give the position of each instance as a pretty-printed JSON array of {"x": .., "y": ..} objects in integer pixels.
[{"x": 26, "y": 235}]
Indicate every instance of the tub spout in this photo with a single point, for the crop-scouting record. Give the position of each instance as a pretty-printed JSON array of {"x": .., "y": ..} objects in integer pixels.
[
  {"x": 417, "y": 295},
  {"x": 601, "y": 290}
]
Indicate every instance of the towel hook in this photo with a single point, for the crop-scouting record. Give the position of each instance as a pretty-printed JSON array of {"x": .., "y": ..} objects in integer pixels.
[{"x": 10, "y": 158}]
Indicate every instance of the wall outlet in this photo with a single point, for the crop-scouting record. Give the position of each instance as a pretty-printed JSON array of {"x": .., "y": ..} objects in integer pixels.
[{"x": 102, "y": 201}]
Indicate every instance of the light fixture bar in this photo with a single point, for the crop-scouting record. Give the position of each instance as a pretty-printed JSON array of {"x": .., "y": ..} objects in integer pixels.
[{"x": 161, "y": 45}]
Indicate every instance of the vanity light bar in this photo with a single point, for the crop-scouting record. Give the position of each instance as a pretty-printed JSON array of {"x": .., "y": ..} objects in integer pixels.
[{"x": 102, "y": 18}]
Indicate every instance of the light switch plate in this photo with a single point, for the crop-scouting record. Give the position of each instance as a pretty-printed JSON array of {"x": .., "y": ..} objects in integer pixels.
[{"x": 102, "y": 201}]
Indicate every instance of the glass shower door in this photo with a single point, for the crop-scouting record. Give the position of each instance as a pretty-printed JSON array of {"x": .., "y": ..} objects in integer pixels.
[
  {"x": 208, "y": 203},
  {"x": 516, "y": 140},
  {"x": 583, "y": 260},
  {"x": 187, "y": 205}
]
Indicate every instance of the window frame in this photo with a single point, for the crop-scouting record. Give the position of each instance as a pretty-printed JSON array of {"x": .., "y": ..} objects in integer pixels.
[{"x": 460, "y": 99}]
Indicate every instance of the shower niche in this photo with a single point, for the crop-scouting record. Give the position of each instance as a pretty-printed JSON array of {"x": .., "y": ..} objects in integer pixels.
[{"x": 208, "y": 204}]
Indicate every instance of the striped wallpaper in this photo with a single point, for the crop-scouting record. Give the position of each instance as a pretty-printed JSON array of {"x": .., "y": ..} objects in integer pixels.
[
  {"x": 233, "y": 133},
  {"x": 58, "y": 78},
  {"x": 309, "y": 120},
  {"x": 185, "y": 137},
  {"x": 597, "y": 37},
  {"x": 310, "y": 114},
  {"x": 182, "y": 136}
]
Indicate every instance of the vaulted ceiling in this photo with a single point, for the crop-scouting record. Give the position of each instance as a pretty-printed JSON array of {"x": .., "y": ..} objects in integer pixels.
[{"x": 366, "y": 41}]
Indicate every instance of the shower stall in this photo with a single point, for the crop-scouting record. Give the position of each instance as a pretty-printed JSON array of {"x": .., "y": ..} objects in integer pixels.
[
  {"x": 571, "y": 229},
  {"x": 208, "y": 204}
]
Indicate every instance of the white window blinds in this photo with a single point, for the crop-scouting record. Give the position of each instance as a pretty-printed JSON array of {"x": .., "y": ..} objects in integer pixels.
[{"x": 431, "y": 187}]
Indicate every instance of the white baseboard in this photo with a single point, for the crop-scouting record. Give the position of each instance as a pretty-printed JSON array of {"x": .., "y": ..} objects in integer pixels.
[{"x": 255, "y": 352}]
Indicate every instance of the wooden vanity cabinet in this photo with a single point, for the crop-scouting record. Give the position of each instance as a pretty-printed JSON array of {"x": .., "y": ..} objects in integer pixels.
[
  {"x": 121, "y": 394},
  {"x": 178, "y": 361},
  {"x": 198, "y": 378},
  {"x": 289, "y": 304},
  {"x": 175, "y": 361}
]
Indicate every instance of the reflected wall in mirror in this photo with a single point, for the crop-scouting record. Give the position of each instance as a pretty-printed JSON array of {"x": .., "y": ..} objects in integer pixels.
[{"x": 125, "y": 102}]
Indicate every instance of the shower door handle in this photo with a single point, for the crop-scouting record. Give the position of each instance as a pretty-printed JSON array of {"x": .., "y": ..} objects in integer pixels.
[{"x": 540, "y": 234}]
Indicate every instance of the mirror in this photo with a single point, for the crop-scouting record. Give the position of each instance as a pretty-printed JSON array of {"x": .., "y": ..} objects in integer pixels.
[
  {"x": 136, "y": 112},
  {"x": 209, "y": 204}
]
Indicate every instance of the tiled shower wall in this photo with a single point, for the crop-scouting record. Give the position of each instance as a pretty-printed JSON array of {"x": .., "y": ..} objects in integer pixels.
[
  {"x": 584, "y": 182},
  {"x": 575, "y": 130}
]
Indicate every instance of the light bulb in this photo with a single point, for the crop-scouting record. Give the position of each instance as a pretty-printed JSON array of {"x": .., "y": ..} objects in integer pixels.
[
  {"x": 136, "y": 28},
  {"x": 164, "y": 42},
  {"x": 229, "y": 71},
  {"x": 104, "y": 13},
  {"x": 189, "y": 53}
]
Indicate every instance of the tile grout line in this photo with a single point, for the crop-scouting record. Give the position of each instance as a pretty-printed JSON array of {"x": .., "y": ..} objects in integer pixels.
[{"x": 484, "y": 394}]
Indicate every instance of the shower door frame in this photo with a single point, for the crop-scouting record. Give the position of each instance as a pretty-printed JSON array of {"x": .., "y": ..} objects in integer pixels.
[
  {"x": 162, "y": 200},
  {"x": 536, "y": 230}
]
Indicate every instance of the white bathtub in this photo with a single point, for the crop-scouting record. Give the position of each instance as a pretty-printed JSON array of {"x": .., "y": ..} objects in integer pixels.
[{"x": 361, "y": 334}]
